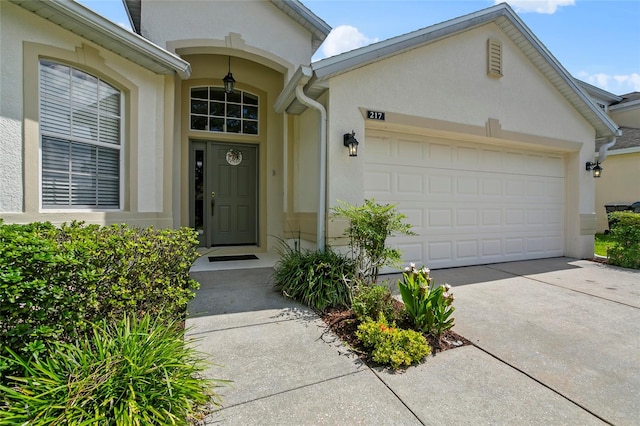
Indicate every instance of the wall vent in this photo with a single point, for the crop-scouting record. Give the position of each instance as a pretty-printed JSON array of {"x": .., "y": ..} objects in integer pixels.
[{"x": 494, "y": 58}]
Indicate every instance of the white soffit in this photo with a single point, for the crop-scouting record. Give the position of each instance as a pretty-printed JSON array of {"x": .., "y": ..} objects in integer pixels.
[
  {"x": 80, "y": 20},
  {"x": 512, "y": 26}
]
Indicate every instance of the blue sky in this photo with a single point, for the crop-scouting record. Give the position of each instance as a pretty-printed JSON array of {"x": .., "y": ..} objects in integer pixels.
[{"x": 597, "y": 41}]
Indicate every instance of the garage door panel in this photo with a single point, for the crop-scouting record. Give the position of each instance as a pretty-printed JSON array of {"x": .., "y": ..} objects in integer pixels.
[
  {"x": 469, "y": 203},
  {"x": 442, "y": 251},
  {"x": 409, "y": 184},
  {"x": 378, "y": 182},
  {"x": 441, "y": 154},
  {"x": 410, "y": 151},
  {"x": 467, "y": 218}
]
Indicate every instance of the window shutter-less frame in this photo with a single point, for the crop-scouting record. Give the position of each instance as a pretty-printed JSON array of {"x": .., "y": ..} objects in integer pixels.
[
  {"x": 494, "y": 58},
  {"x": 80, "y": 122}
]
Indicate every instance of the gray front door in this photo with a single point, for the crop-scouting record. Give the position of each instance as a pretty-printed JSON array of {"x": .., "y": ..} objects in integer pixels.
[{"x": 224, "y": 193}]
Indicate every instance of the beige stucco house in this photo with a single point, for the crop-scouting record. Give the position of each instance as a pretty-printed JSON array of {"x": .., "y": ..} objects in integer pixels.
[
  {"x": 471, "y": 126},
  {"x": 619, "y": 183}
]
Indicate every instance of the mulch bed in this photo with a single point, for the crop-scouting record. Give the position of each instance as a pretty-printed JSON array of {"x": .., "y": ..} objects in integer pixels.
[{"x": 344, "y": 324}]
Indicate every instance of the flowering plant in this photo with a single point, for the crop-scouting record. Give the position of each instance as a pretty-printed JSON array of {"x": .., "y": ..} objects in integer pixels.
[{"x": 429, "y": 306}]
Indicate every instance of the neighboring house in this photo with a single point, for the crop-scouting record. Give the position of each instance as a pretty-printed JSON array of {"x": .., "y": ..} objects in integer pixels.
[
  {"x": 619, "y": 183},
  {"x": 471, "y": 126}
]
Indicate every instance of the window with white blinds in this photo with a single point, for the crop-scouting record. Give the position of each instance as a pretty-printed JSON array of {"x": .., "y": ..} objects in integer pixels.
[{"x": 80, "y": 122}]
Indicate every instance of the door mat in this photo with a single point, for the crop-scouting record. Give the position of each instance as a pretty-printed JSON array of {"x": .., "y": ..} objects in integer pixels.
[{"x": 229, "y": 258}]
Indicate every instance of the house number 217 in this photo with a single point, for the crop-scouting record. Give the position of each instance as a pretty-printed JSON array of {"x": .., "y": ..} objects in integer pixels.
[{"x": 375, "y": 115}]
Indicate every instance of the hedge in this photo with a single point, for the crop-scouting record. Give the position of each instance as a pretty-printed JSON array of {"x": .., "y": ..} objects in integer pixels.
[
  {"x": 55, "y": 281},
  {"x": 626, "y": 235}
]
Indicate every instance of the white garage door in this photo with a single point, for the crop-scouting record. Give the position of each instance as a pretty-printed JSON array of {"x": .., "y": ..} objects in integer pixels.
[{"x": 470, "y": 203}]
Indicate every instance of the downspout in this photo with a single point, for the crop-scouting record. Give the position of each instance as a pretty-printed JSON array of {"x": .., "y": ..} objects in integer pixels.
[
  {"x": 602, "y": 152},
  {"x": 307, "y": 101}
]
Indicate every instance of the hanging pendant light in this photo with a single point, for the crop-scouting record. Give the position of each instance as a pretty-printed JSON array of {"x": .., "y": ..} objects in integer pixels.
[{"x": 229, "y": 81}]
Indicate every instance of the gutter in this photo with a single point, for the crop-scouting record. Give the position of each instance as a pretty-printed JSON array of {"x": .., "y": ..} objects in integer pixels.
[{"x": 295, "y": 90}]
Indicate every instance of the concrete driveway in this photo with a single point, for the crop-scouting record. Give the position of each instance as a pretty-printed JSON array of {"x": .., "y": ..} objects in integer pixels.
[
  {"x": 556, "y": 341},
  {"x": 571, "y": 325}
]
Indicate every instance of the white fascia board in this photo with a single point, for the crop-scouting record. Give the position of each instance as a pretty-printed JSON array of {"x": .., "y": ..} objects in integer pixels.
[
  {"x": 632, "y": 150},
  {"x": 109, "y": 35},
  {"x": 338, "y": 64},
  {"x": 314, "y": 20},
  {"x": 305, "y": 17},
  {"x": 598, "y": 92},
  {"x": 625, "y": 106},
  {"x": 288, "y": 95}
]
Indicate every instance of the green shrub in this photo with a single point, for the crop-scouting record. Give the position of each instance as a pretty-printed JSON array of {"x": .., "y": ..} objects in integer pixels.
[
  {"x": 428, "y": 305},
  {"x": 369, "y": 301},
  {"x": 625, "y": 234},
  {"x": 133, "y": 372},
  {"x": 54, "y": 281},
  {"x": 392, "y": 346},
  {"x": 369, "y": 227},
  {"x": 319, "y": 279}
]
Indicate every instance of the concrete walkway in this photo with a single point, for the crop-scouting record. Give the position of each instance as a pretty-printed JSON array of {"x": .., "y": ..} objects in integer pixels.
[{"x": 556, "y": 341}]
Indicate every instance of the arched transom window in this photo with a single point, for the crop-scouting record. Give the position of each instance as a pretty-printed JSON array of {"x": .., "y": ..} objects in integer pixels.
[{"x": 214, "y": 110}]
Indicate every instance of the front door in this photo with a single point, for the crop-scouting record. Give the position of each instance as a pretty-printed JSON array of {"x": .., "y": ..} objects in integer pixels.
[{"x": 224, "y": 193}]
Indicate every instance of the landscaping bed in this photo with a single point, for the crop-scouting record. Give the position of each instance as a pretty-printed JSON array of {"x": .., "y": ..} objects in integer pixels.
[{"x": 344, "y": 323}]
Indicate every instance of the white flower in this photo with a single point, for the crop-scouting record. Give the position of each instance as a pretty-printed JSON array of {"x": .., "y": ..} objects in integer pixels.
[
  {"x": 447, "y": 287},
  {"x": 413, "y": 265},
  {"x": 425, "y": 270}
]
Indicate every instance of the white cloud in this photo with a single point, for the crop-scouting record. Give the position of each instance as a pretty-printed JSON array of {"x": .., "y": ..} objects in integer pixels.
[
  {"x": 538, "y": 6},
  {"x": 616, "y": 84},
  {"x": 344, "y": 38},
  {"x": 632, "y": 81}
]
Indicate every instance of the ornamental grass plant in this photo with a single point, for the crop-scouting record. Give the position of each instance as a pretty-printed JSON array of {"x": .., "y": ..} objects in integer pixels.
[
  {"x": 133, "y": 372},
  {"x": 319, "y": 279}
]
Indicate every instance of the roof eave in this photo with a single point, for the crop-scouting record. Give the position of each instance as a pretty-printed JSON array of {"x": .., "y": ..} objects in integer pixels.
[
  {"x": 341, "y": 63},
  {"x": 288, "y": 95},
  {"x": 625, "y": 106},
  {"x": 609, "y": 128},
  {"x": 305, "y": 17},
  {"x": 329, "y": 67},
  {"x": 91, "y": 26},
  {"x": 596, "y": 91}
]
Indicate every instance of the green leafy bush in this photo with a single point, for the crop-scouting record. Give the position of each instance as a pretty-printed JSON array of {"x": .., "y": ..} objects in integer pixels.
[
  {"x": 626, "y": 236},
  {"x": 132, "y": 372},
  {"x": 319, "y": 279},
  {"x": 369, "y": 301},
  {"x": 392, "y": 346},
  {"x": 55, "y": 281},
  {"x": 369, "y": 227},
  {"x": 428, "y": 305}
]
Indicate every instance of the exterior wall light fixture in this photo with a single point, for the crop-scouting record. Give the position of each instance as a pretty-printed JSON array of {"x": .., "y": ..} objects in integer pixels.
[
  {"x": 597, "y": 170},
  {"x": 228, "y": 80},
  {"x": 351, "y": 143}
]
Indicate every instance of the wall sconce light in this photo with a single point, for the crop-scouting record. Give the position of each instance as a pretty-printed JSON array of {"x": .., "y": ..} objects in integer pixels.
[
  {"x": 228, "y": 80},
  {"x": 597, "y": 170},
  {"x": 351, "y": 143}
]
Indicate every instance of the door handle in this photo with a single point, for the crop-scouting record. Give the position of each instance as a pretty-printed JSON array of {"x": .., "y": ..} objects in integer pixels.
[{"x": 213, "y": 203}]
